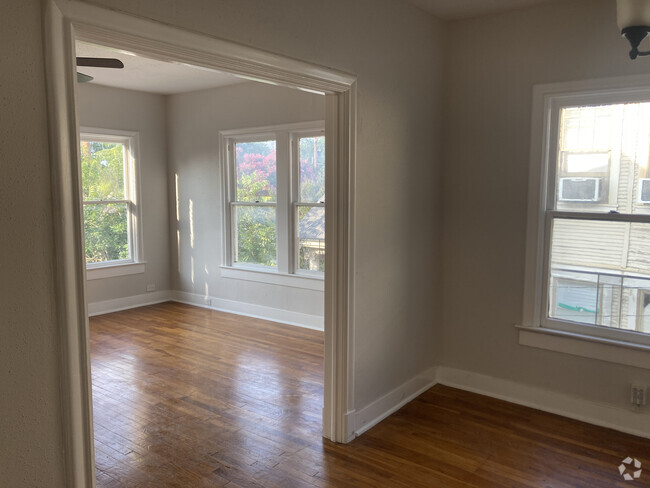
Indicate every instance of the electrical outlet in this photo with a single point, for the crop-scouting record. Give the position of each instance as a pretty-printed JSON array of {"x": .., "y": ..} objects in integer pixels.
[
  {"x": 151, "y": 287},
  {"x": 638, "y": 395}
]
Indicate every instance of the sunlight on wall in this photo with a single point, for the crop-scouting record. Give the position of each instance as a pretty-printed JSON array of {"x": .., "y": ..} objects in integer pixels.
[
  {"x": 178, "y": 204},
  {"x": 191, "y": 212}
]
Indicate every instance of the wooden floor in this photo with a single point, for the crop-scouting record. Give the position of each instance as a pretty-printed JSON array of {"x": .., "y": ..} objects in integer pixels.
[{"x": 188, "y": 397}]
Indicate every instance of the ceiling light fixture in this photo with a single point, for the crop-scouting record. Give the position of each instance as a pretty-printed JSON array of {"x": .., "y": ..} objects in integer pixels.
[{"x": 634, "y": 21}]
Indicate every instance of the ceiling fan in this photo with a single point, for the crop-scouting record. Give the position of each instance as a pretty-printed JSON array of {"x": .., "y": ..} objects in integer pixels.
[{"x": 96, "y": 63}]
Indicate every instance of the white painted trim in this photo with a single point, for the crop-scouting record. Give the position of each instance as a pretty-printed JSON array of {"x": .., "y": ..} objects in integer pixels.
[
  {"x": 118, "y": 304},
  {"x": 586, "y": 346},
  {"x": 250, "y": 310},
  {"x": 101, "y": 272},
  {"x": 273, "y": 278},
  {"x": 604, "y": 415},
  {"x": 370, "y": 415},
  {"x": 70, "y": 292},
  {"x": 245, "y": 133},
  {"x": 162, "y": 42}
]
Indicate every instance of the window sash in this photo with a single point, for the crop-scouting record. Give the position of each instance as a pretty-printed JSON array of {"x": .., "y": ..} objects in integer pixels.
[
  {"x": 297, "y": 190},
  {"x": 129, "y": 231},
  {"x": 624, "y": 335},
  {"x": 234, "y": 235},
  {"x": 551, "y": 169},
  {"x": 296, "y": 237},
  {"x": 129, "y": 141}
]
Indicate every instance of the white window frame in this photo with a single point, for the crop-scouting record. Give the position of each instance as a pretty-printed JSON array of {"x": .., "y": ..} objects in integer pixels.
[
  {"x": 538, "y": 330},
  {"x": 287, "y": 167},
  {"x": 135, "y": 264}
]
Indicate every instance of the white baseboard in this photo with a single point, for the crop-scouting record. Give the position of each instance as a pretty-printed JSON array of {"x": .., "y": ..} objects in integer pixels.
[
  {"x": 108, "y": 306},
  {"x": 370, "y": 415},
  {"x": 604, "y": 415},
  {"x": 250, "y": 310},
  {"x": 358, "y": 421}
]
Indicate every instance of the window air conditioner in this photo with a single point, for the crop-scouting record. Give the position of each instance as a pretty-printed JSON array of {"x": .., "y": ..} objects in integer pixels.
[
  {"x": 579, "y": 189},
  {"x": 644, "y": 190}
]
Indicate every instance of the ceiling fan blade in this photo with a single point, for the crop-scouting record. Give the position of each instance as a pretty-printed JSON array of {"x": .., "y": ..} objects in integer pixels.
[
  {"x": 100, "y": 62},
  {"x": 81, "y": 78}
]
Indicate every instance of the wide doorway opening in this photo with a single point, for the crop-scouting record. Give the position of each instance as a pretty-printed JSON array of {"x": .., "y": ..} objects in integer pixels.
[
  {"x": 203, "y": 201},
  {"x": 151, "y": 40}
]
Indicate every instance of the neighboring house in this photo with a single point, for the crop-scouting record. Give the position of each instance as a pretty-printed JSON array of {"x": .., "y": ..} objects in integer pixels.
[
  {"x": 311, "y": 234},
  {"x": 600, "y": 271}
]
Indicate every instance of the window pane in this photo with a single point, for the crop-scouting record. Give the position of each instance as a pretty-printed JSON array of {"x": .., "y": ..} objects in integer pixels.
[
  {"x": 102, "y": 170},
  {"x": 587, "y": 162},
  {"x": 106, "y": 232},
  {"x": 256, "y": 171},
  {"x": 602, "y": 161},
  {"x": 311, "y": 238},
  {"x": 312, "y": 169},
  {"x": 255, "y": 235},
  {"x": 600, "y": 273}
]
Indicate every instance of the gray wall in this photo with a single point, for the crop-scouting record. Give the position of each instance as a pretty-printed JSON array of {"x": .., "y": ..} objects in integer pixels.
[
  {"x": 194, "y": 122},
  {"x": 145, "y": 113},
  {"x": 31, "y": 438},
  {"x": 494, "y": 62}
]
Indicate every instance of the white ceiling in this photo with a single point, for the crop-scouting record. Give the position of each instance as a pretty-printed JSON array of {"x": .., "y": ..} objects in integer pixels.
[
  {"x": 150, "y": 75},
  {"x": 462, "y": 9}
]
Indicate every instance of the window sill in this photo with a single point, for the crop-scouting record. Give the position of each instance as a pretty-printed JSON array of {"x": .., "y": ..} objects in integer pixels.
[
  {"x": 110, "y": 271},
  {"x": 586, "y": 346},
  {"x": 273, "y": 278}
]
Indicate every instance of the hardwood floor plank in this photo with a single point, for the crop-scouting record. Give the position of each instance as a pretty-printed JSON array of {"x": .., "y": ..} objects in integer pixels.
[{"x": 190, "y": 397}]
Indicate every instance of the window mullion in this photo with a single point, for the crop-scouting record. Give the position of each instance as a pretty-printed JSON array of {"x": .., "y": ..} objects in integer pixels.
[
  {"x": 106, "y": 202},
  {"x": 283, "y": 209},
  {"x": 612, "y": 217}
]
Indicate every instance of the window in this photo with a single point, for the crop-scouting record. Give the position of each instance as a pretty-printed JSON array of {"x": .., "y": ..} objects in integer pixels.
[
  {"x": 109, "y": 198},
  {"x": 275, "y": 200},
  {"x": 254, "y": 204},
  {"x": 309, "y": 209},
  {"x": 589, "y": 231}
]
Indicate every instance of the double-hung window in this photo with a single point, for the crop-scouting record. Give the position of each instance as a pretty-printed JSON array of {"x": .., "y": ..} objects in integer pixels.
[
  {"x": 109, "y": 198},
  {"x": 275, "y": 200},
  {"x": 588, "y": 268}
]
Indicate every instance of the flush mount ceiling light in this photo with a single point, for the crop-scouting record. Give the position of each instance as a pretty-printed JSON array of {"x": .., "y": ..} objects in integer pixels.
[{"x": 634, "y": 22}]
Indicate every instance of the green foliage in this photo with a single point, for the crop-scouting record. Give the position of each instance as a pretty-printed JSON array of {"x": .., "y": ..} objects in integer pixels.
[
  {"x": 256, "y": 235},
  {"x": 256, "y": 182},
  {"x": 312, "y": 169},
  {"x": 105, "y": 232},
  {"x": 105, "y": 224}
]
